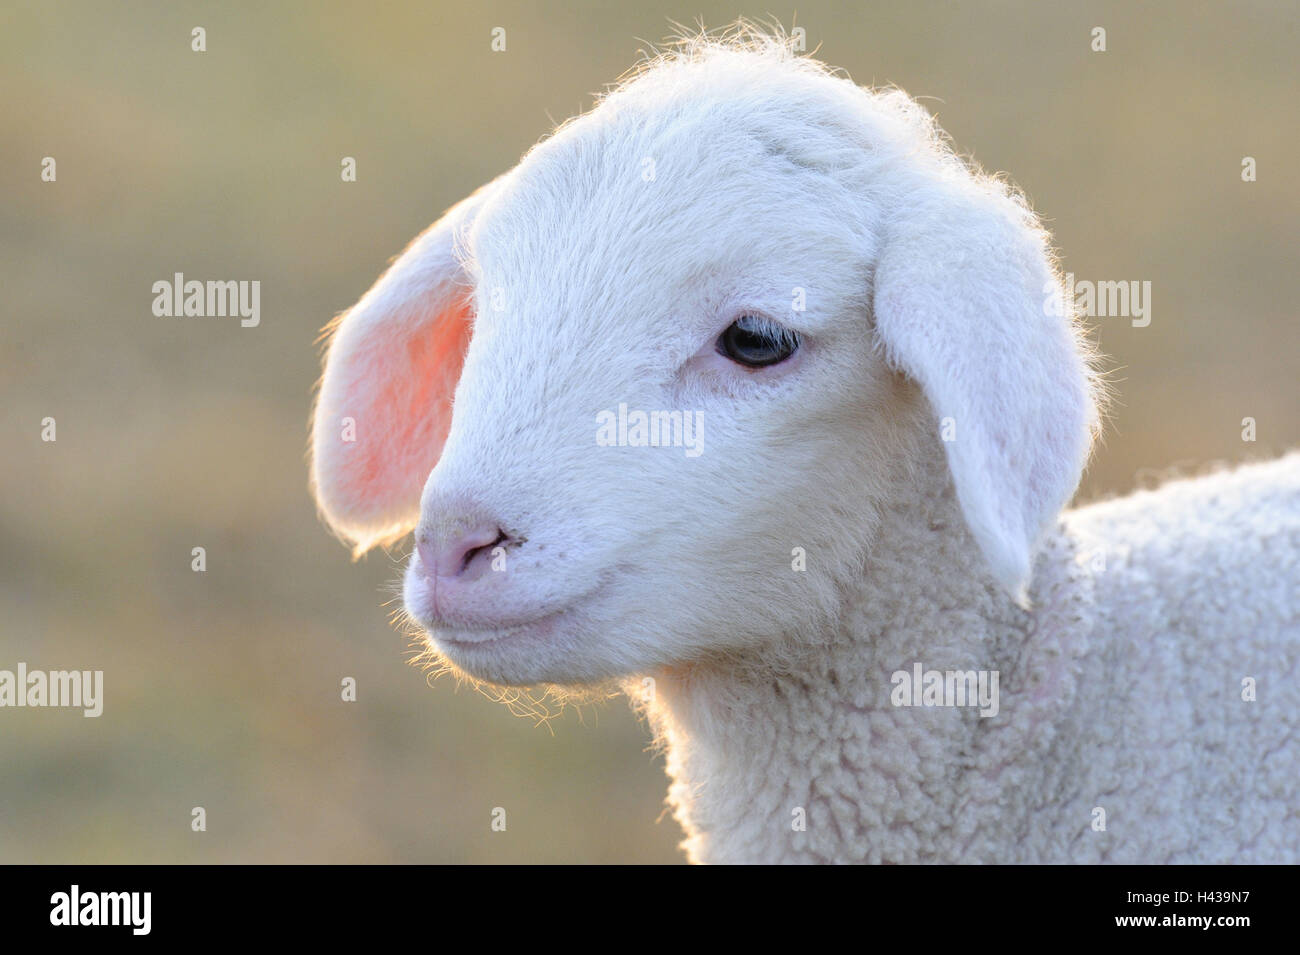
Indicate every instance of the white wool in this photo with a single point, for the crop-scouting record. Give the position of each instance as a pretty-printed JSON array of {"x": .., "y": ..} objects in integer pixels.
[
  {"x": 917, "y": 452},
  {"x": 1121, "y": 691}
]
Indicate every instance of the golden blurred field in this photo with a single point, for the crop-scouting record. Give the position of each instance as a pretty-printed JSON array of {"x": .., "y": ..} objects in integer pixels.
[{"x": 222, "y": 688}]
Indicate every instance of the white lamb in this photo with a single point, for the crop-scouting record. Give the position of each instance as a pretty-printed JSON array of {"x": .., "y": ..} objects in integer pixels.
[{"x": 890, "y": 404}]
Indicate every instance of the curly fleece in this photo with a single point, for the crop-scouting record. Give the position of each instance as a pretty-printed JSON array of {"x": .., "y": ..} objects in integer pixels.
[{"x": 1121, "y": 690}]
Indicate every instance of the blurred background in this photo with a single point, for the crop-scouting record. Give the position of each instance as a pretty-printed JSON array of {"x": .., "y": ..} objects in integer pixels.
[{"x": 222, "y": 688}]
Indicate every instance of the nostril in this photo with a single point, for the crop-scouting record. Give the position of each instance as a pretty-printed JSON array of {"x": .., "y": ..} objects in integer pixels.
[
  {"x": 485, "y": 548},
  {"x": 453, "y": 556}
]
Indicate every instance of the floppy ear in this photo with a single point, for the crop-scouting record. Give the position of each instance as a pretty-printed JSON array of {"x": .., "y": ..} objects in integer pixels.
[
  {"x": 384, "y": 407},
  {"x": 968, "y": 303}
]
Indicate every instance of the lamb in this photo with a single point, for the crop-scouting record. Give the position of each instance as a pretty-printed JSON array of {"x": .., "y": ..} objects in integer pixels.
[{"x": 896, "y": 404}]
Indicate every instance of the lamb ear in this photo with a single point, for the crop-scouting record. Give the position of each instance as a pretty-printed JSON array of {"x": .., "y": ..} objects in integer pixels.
[
  {"x": 384, "y": 407},
  {"x": 968, "y": 303}
]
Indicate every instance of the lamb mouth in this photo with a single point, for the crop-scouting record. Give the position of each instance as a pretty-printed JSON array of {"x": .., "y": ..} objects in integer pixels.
[{"x": 497, "y": 636}]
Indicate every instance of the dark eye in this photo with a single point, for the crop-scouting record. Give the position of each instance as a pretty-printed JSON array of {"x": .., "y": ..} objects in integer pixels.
[{"x": 755, "y": 342}]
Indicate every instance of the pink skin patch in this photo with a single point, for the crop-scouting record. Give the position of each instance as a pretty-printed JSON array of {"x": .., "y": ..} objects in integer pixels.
[{"x": 408, "y": 412}]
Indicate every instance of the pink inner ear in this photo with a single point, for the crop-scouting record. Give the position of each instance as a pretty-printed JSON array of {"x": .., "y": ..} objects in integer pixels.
[{"x": 410, "y": 411}]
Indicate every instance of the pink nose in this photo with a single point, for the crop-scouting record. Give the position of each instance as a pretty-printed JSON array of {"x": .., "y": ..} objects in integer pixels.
[{"x": 464, "y": 555}]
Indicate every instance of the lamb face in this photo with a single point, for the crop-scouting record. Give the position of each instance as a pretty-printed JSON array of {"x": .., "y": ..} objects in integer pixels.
[
  {"x": 793, "y": 269},
  {"x": 637, "y": 497}
]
